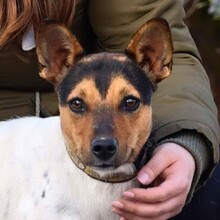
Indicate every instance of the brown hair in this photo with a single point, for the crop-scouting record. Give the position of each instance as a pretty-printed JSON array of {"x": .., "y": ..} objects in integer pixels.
[{"x": 17, "y": 15}]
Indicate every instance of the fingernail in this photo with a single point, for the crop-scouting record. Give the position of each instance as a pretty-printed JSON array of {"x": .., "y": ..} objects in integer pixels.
[
  {"x": 114, "y": 209},
  {"x": 143, "y": 178},
  {"x": 129, "y": 195},
  {"x": 122, "y": 218},
  {"x": 117, "y": 204}
]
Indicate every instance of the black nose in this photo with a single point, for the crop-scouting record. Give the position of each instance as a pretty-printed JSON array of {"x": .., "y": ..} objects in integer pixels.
[{"x": 104, "y": 148}]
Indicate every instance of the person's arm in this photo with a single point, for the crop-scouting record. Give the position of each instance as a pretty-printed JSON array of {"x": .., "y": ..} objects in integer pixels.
[{"x": 183, "y": 101}]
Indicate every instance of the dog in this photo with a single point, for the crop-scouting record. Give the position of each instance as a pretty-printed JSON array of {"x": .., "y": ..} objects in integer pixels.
[{"x": 73, "y": 166}]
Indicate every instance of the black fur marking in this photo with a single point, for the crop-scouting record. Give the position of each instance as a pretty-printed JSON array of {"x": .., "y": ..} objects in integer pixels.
[
  {"x": 43, "y": 194},
  {"x": 45, "y": 175},
  {"x": 102, "y": 70}
]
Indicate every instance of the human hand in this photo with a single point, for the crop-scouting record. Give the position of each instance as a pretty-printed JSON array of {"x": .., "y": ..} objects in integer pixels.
[{"x": 171, "y": 170}]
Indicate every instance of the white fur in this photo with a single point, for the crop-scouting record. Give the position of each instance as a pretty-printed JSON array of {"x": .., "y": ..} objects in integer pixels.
[{"x": 39, "y": 181}]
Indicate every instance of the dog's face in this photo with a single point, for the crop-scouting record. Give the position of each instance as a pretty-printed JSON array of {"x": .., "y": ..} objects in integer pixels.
[
  {"x": 105, "y": 110},
  {"x": 105, "y": 98}
]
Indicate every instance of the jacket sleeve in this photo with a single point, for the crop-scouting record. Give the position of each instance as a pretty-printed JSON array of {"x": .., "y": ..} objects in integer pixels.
[{"x": 183, "y": 101}]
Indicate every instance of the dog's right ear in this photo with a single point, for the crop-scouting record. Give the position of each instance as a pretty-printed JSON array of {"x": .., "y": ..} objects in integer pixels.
[{"x": 57, "y": 49}]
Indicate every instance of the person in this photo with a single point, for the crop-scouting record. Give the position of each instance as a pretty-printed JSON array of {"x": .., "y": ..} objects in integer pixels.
[
  {"x": 20, "y": 83},
  {"x": 185, "y": 127}
]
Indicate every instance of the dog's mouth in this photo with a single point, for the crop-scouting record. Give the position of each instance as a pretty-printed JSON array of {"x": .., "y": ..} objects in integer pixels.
[
  {"x": 104, "y": 166},
  {"x": 105, "y": 172},
  {"x": 110, "y": 174}
]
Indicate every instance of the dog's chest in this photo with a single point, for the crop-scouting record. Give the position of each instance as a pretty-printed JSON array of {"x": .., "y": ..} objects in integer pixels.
[
  {"x": 67, "y": 196},
  {"x": 45, "y": 184},
  {"x": 73, "y": 195}
]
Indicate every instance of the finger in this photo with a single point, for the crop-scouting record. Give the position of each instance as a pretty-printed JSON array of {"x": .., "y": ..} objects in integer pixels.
[
  {"x": 127, "y": 216},
  {"x": 129, "y": 208},
  {"x": 156, "y": 165},
  {"x": 172, "y": 187}
]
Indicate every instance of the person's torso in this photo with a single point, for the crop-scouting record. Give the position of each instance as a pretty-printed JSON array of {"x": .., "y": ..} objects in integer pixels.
[{"x": 19, "y": 71}]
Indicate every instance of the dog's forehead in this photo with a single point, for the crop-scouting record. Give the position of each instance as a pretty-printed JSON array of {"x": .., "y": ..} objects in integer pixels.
[
  {"x": 118, "y": 88},
  {"x": 102, "y": 68}
]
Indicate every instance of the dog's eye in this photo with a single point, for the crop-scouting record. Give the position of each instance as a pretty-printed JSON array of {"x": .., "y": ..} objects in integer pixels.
[
  {"x": 130, "y": 104},
  {"x": 77, "y": 105}
]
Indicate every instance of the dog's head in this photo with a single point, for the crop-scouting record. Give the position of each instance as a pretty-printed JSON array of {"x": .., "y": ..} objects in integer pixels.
[{"x": 105, "y": 98}]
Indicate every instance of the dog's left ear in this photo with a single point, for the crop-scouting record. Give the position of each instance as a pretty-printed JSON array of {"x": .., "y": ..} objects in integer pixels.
[
  {"x": 57, "y": 49},
  {"x": 152, "y": 49}
]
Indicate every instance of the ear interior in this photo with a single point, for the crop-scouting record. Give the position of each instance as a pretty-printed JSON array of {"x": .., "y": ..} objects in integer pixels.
[
  {"x": 152, "y": 49},
  {"x": 57, "y": 49}
]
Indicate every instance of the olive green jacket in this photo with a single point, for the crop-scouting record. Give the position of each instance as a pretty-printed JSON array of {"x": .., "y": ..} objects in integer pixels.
[{"x": 183, "y": 108}]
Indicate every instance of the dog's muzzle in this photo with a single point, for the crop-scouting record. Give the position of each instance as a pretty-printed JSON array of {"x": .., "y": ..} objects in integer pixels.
[{"x": 123, "y": 173}]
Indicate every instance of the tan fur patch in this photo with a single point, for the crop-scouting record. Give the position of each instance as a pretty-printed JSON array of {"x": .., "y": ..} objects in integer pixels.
[
  {"x": 120, "y": 88},
  {"x": 86, "y": 90}
]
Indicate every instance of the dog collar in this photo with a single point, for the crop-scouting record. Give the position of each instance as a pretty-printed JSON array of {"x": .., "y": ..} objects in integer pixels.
[
  {"x": 117, "y": 177},
  {"x": 144, "y": 155}
]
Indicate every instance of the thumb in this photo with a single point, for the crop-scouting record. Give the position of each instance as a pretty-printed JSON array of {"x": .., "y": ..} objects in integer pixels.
[{"x": 156, "y": 165}]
